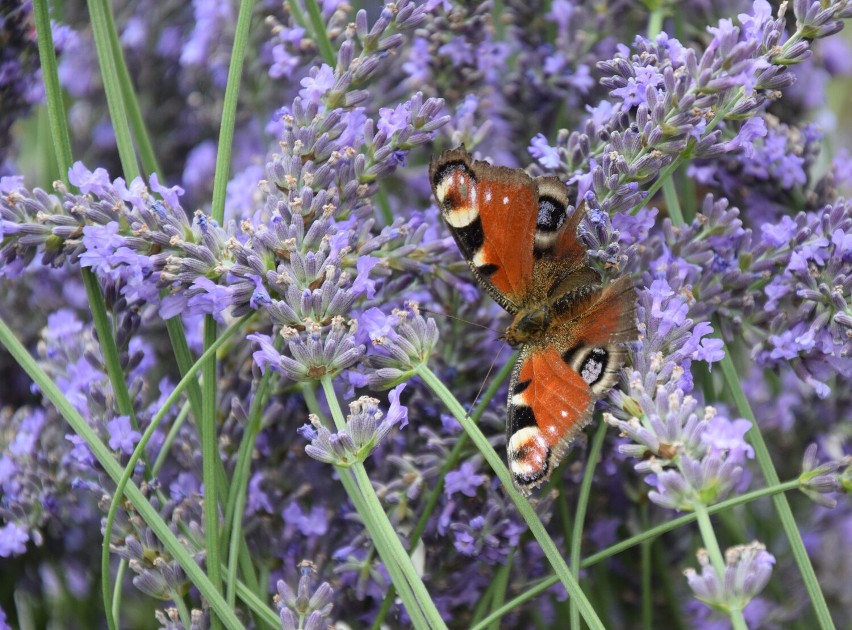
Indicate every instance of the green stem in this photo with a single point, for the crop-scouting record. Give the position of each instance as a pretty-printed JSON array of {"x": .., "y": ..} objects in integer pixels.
[
  {"x": 501, "y": 582},
  {"x": 116, "y": 593},
  {"x": 655, "y": 21},
  {"x": 297, "y": 13},
  {"x": 435, "y": 493},
  {"x": 209, "y": 456},
  {"x": 127, "y": 473},
  {"x": 420, "y": 606},
  {"x": 106, "y": 339},
  {"x": 672, "y": 201},
  {"x": 53, "y": 93},
  {"x": 536, "y": 527},
  {"x": 384, "y": 205},
  {"x": 114, "y": 470},
  {"x": 171, "y": 436},
  {"x": 263, "y": 613},
  {"x": 708, "y": 536},
  {"x": 229, "y": 112},
  {"x": 320, "y": 34},
  {"x": 580, "y": 514},
  {"x": 184, "y": 359},
  {"x": 101, "y": 16},
  {"x": 645, "y": 550},
  {"x": 183, "y": 611},
  {"x": 782, "y": 506},
  {"x": 351, "y": 488},
  {"x": 131, "y": 103},
  {"x": 638, "y": 539},
  {"x": 239, "y": 484}
]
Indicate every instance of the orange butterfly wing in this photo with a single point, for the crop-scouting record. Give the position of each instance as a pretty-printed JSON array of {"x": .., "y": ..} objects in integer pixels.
[
  {"x": 554, "y": 386},
  {"x": 549, "y": 403},
  {"x": 491, "y": 212}
]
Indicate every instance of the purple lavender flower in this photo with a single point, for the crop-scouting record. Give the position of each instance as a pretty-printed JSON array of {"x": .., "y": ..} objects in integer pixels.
[
  {"x": 365, "y": 430},
  {"x": 301, "y": 608},
  {"x": 13, "y": 540},
  {"x": 747, "y": 571}
]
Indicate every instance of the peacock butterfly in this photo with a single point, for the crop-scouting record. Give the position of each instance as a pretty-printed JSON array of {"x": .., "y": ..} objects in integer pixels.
[{"x": 521, "y": 243}]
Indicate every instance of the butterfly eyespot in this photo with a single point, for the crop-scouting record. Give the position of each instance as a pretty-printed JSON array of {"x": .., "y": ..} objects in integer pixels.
[
  {"x": 529, "y": 456},
  {"x": 594, "y": 365},
  {"x": 551, "y": 214}
]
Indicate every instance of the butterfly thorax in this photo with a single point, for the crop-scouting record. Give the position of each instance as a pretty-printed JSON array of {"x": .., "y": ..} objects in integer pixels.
[{"x": 529, "y": 326}]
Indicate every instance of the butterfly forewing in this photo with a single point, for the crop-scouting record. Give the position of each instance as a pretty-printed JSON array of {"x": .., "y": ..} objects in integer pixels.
[{"x": 491, "y": 212}]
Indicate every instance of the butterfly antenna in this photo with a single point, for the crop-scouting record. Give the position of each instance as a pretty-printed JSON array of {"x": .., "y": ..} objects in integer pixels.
[
  {"x": 460, "y": 319},
  {"x": 485, "y": 380}
]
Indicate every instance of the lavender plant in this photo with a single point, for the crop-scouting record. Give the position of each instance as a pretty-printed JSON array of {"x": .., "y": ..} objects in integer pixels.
[{"x": 249, "y": 246}]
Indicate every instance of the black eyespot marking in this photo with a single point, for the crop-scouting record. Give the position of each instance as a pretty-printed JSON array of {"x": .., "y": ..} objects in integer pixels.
[
  {"x": 525, "y": 480},
  {"x": 551, "y": 214},
  {"x": 522, "y": 417},
  {"x": 568, "y": 355},
  {"x": 470, "y": 237},
  {"x": 520, "y": 386},
  {"x": 487, "y": 270},
  {"x": 445, "y": 170},
  {"x": 594, "y": 366}
]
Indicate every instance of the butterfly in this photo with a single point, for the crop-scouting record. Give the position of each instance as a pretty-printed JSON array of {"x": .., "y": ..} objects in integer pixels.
[{"x": 522, "y": 246}]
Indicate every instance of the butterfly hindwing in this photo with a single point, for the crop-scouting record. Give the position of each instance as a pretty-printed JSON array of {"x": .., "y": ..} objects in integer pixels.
[
  {"x": 549, "y": 402},
  {"x": 555, "y": 385},
  {"x": 599, "y": 318}
]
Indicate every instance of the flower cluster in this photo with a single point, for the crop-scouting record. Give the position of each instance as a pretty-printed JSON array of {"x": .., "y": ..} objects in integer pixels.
[
  {"x": 363, "y": 433},
  {"x": 667, "y": 100},
  {"x": 303, "y": 609},
  {"x": 747, "y": 570},
  {"x": 694, "y": 453}
]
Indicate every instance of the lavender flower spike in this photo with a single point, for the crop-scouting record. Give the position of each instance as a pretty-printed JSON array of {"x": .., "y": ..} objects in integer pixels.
[
  {"x": 366, "y": 427},
  {"x": 302, "y": 609},
  {"x": 747, "y": 571}
]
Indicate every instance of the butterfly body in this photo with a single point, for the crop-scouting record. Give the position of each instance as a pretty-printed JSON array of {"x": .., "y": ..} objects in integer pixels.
[{"x": 520, "y": 241}]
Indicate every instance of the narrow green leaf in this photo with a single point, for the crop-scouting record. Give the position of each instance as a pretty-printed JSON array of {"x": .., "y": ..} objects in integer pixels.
[
  {"x": 536, "y": 527},
  {"x": 114, "y": 470},
  {"x": 580, "y": 514},
  {"x": 320, "y": 34}
]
